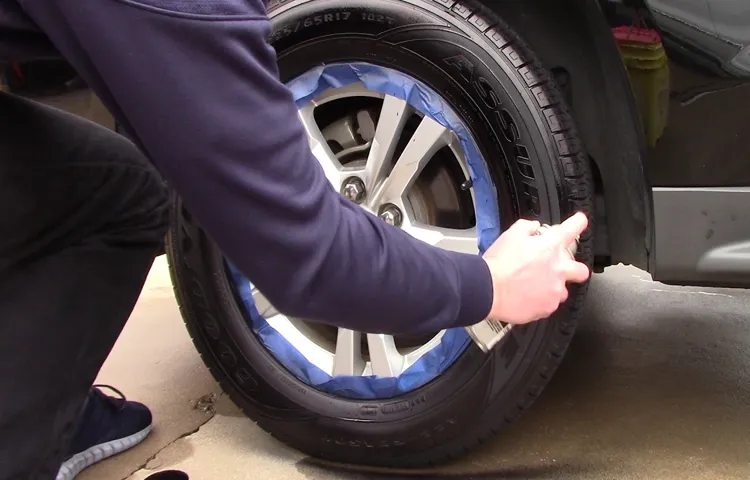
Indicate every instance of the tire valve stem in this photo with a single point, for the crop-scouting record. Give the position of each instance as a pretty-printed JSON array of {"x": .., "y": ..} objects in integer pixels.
[{"x": 467, "y": 185}]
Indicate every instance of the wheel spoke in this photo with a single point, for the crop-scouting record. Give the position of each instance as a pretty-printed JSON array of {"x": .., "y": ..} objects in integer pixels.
[
  {"x": 379, "y": 181},
  {"x": 348, "y": 359},
  {"x": 393, "y": 116},
  {"x": 465, "y": 241},
  {"x": 264, "y": 307},
  {"x": 320, "y": 149},
  {"x": 384, "y": 357},
  {"x": 428, "y": 139},
  {"x": 356, "y": 89}
]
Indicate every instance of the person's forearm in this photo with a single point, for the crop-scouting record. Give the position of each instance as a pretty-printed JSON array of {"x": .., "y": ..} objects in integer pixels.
[
  {"x": 335, "y": 263},
  {"x": 202, "y": 96}
]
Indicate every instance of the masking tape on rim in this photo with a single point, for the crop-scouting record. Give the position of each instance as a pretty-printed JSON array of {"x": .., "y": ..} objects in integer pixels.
[{"x": 453, "y": 343}]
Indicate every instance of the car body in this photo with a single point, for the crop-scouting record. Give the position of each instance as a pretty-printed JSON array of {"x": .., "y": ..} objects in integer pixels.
[{"x": 675, "y": 209}]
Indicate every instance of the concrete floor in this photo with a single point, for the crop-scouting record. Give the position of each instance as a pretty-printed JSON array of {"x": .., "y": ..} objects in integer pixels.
[{"x": 655, "y": 386}]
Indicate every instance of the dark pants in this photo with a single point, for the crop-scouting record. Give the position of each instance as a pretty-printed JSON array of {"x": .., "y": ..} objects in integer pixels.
[{"x": 82, "y": 216}]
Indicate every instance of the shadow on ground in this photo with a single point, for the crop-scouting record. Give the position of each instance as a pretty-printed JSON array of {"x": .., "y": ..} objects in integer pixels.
[{"x": 654, "y": 385}]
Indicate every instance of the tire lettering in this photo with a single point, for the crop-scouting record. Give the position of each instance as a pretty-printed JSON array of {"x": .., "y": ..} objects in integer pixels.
[
  {"x": 230, "y": 362},
  {"x": 290, "y": 383},
  {"x": 404, "y": 406},
  {"x": 314, "y": 20},
  {"x": 209, "y": 323},
  {"x": 379, "y": 18},
  {"x": 368, "y": 410},
  {"x": 311, "y": 21},
  {"x": 245, "y": 379},
  {"x": 524, "y": 164},
  {"x": 284, "y": 379},
  {"x": 508, "y": 128},
  {"x": 462, "y": 65},
  {"x": 227, "y": 356},
  {"x": 364, "y": 443},
  {"x": 211, "y": 326},
  {"x": 440, "y": 427},
  {"x": 423, "y": 435},
  {"x": 483, "y": 87},
  {"x": 319, "y": 19}
]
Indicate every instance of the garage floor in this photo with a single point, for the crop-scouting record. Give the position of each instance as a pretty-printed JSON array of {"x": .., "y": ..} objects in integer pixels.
[{"x": 655, "y": 385}]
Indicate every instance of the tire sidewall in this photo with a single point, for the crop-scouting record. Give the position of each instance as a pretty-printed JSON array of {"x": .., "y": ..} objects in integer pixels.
[{"x": 477, "y": 385}]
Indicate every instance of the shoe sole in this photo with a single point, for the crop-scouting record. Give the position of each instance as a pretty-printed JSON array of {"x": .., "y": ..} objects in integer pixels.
[{"x": 73, "y": 466}]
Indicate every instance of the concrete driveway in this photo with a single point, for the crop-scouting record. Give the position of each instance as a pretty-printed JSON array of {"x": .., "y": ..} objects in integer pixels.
[{"x": 655, "y": 386}]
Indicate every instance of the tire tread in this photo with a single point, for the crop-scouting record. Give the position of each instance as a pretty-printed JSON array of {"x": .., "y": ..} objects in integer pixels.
[
  {"x": 551, "y": 108},
  {"x": 578, "y": 178}
]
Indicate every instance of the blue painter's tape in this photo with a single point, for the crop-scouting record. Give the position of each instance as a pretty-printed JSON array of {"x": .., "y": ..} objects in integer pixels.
[
  {"x": 454, "y": 341},
  {"x": 427, "y": 101}
]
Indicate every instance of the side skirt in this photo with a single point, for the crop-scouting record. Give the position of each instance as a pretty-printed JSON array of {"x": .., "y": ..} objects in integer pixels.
[{"x": 702, "y": 236}]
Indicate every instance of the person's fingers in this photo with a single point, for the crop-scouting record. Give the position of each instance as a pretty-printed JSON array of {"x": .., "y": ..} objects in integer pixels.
[
  {"x": 527, "y": 227},
  {"x": 572, "y": 228},
  {"x": 563, "y": 294},
  {"x": 576, "y": 272}
]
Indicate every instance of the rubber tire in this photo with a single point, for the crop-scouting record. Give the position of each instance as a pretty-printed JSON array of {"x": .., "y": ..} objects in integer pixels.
[{"x": 514, "y": 110}]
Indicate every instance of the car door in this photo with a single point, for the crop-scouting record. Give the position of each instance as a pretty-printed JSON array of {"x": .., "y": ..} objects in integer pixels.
[
  {"x": 712, "y": 33},
  {"x": 731, "y": 20}
]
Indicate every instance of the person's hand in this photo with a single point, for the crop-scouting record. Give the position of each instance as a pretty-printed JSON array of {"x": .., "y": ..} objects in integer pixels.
[{"x": 530, "y": 272}]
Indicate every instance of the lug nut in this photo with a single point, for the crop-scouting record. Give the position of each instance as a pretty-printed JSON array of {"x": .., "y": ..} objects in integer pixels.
[
  {"x": 391, "y": 215},
  {"x": 354, "y": 190}
]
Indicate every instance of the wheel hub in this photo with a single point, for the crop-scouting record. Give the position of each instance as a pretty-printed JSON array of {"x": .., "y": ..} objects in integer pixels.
[{"x": 404, "y": 167}]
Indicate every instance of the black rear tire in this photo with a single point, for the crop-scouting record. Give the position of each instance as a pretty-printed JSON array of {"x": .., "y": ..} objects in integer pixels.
[{"x": 519, "y": 120}]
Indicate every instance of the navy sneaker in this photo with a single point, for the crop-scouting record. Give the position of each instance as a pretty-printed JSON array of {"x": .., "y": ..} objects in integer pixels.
[{"x": 107, "y": 426}]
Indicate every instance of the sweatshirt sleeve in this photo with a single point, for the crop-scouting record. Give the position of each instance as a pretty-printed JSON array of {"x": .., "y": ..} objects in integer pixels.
[{"x": 198, "y": 86}]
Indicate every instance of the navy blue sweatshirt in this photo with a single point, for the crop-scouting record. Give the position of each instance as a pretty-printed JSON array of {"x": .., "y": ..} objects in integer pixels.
[{"x": 197, "y": 85}]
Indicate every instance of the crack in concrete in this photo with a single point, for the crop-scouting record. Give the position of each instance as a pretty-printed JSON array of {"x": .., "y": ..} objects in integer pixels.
[{"x": 199, "y": 404}]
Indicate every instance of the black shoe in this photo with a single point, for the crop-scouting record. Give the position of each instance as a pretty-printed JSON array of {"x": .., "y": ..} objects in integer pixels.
[
  {"x": 107, "y": 426},
  {"x": 169, "y": 475}
]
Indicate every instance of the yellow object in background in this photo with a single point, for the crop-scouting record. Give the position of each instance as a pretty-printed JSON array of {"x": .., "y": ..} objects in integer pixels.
[{"x": 648, "y": 68}]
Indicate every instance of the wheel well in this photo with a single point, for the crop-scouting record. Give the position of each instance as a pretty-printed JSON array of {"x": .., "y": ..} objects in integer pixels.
[{"x": 574, "y": 40}]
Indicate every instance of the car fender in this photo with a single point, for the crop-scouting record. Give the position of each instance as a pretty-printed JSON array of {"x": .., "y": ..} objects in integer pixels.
[{"x": 574, "y": 38}]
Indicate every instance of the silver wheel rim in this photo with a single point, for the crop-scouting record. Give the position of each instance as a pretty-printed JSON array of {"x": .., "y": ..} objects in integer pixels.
[{"x": 384, "y": 189}]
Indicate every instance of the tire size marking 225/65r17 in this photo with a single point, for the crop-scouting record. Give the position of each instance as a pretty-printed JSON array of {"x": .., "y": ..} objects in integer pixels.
[{"x": 317, "y": 20}]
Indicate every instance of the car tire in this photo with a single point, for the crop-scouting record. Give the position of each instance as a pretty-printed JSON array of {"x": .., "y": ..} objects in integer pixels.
[{"x": 514, "y": 110}]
